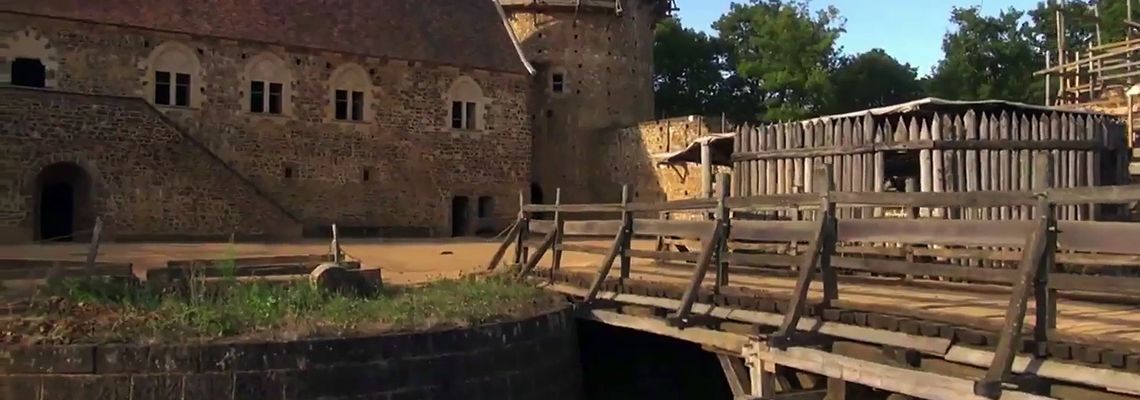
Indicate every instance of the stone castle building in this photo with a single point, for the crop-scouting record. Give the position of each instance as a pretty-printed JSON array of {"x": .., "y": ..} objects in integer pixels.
[{"x": 201, "y": 119}]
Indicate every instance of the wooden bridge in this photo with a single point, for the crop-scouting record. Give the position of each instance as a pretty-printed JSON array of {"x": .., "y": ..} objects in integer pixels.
[{"x": 801, "y": 303}]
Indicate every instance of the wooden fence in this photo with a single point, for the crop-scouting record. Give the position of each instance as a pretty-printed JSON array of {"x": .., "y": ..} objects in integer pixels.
[
  {"x": 934, "y": 153},
  {"x": 824, "y": 245}
]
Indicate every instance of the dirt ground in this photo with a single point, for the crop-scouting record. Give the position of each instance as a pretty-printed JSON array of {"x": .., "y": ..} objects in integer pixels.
[{"x": 402, "y": 261}]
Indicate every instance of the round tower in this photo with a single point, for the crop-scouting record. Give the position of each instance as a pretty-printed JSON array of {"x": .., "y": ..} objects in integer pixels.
[{"x": 594, "y": 70}]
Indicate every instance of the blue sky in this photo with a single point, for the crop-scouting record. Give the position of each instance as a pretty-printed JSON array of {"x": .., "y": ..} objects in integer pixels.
[{"x": 910, "y": 30}]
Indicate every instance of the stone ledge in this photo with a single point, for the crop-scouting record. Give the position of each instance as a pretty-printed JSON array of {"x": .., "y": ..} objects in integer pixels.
[{"x": 532, "y": 358}]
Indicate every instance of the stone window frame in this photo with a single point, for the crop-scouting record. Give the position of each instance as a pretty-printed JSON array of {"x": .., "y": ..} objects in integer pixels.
[
  {"x": 551, "y": 82},
  {"x": 468, "y": 94},
  {"x": 175, "y": 58},
  {"x": 350, "y": 78},
  {"x": 28, "y": 43},
  {"x": 269, "y": 69}
]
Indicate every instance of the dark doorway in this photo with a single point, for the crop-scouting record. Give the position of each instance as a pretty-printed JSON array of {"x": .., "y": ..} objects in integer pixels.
[
  {"x": 28, "y": 72},
  {"x": 460, "y": 217},
  {"x": 63, "y": 196},
  {"x": 535, "y": 193}
]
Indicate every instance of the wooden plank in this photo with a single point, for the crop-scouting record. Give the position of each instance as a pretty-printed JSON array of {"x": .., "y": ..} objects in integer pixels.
[
  {"x": 763, "y": 260},
  {"x": 21, "y": 264},
  {"x": 1003, "y": 172},
  {"x": 710, "y": 246},
  {"x": 541, "y": 226},
  {"x": 1113, "y": 380},
  {"x": 1094, "y": 283},
  {"x": 673, "y": 205},
  {"x": 93, "y": 248},
  {"x": 584, "y": 248},
  {"x": 772, "y": 201},
  {"x": 242, "y": 261},
  {"x": 573, "y": 208},
  {"x": 760, "y": 177},
  {"x": 928, "y": 345},
  {"x": 607, "y": 265},
  {"x": 772, "y": 230},
  {"x": 945, "y": 232},
  {"x": 920, "y": 384},
  {"x": 770, "y": 174},
  {"x": 728, "y": 342},
  {"x": 900, "y": 267},
  {"x": 971, "y": 157},
  {"x": 937, "y": 166},
  {"x": 677, "y": 228},
  {"x": 547, "y": 243},
  {"x": 739, "y": 174},
  {"x": 1104, "y": 237},
  {"x": 664, "y": 256},
  {"x": 984, "y": 167},
  {"x": 807, "y": 271},
  {"x": 590, "y": 227},
  {"x": 1101, "y": 194},
  {"x": 950, "y": 199},
  {"x": 736, "y": 373},
  {"x": 995, "y": 163}
]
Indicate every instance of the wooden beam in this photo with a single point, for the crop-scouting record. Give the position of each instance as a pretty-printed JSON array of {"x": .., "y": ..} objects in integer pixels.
[
  {"x": 803, "y": 283},
  {"x": 607, "y": 265},
  {"x": 919, "y": 384},
  {"x": 737, "y": 375},
  {"x": 711, "y": 243},
  {"x": 928, "y": 345},
  {"x": 1112, "y": 380},
  {"x": 727, "y": 342},
  {"x": 512, "y": 234},
  {"x": 531, "y": 263}
]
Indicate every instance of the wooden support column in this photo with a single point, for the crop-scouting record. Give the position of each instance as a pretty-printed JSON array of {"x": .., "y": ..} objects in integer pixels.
[
  {"x": 556, "y": 262},
  {"x": 93, "y": 248},
  {"x": 1045, "y": 298},
  {"x": 627, "y": 228},
  {"x": 724, "y": 219},
  {"x": 512, "y": 234},
  {"x": 706, "y": 171},
  {"x": 762, "y": 376},
  {"x": 737, "y": 374},
  {"x": 710, "y": 244},
  {"x": 524, "y": 230}
]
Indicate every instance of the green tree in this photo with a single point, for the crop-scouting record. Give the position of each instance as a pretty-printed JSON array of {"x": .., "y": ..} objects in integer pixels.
[
  {"x": 989, "y": 57},
  {"x": 688, "y": 70},
  {"x": 872, "y": 79},
  {"x": 786, "y": 51}
]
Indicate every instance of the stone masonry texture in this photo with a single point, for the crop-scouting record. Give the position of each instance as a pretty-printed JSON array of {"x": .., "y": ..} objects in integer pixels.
[
  {"x": 534, "y": 358},
  {"x": 414, "y": 162}
]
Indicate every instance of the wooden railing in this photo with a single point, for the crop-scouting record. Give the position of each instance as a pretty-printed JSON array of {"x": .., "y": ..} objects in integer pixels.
[{"x": 1022, "y": 254}]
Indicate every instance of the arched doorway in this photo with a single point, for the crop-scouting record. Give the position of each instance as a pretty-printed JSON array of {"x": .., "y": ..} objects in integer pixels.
[
  {"x": 62, "y": 198},
  {"x": 460, "y": 216},
  {"x": 28, "y": 72}
]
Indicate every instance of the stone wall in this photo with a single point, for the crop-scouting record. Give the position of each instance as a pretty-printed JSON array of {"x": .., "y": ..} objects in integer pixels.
[
  {"x": 629, "y": 160},
  {"x": 145, "y": 177},
  {"x": 534, "y": 358},
  {"x": 396, "y": 170},
  {"x": 607, "y": 64}
]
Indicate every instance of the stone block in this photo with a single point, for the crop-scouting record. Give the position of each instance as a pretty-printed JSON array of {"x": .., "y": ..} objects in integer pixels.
[
  {"x": 156, "y": 386},
  {"x": 231, "y": 357},
  {"x": 111, "y": 359},
  {"x": 17, "y": 359},
  {"x": 172, "y": 359},
  {"x": 20, "y": 387},
  {"x": 64, "y": 387},
  {"x": 208, "y": 386},
  {"x": 258, "y": 385}
]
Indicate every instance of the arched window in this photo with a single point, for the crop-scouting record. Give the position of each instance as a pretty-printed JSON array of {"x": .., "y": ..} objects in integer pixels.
[
  {"x": 174, "y": 76},
  {"x": 27, "y": 59},
  {"x": 350, "y": 92},
  {"x": 268, "y": 85},
  {"x": 466, "y": 104}
]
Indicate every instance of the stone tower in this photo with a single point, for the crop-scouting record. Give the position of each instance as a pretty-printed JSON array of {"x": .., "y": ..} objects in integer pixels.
[{"x": 594, "y": 68}]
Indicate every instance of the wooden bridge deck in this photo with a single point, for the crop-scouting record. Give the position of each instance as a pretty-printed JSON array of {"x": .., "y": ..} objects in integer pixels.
[{"x": 981, "y": 307}]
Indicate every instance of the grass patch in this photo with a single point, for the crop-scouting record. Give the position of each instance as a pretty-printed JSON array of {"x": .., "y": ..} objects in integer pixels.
[{"x": 105, "y": 310}]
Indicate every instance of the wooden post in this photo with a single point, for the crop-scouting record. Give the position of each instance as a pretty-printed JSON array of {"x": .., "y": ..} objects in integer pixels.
[
  {"x": 524, "y": 230},
  {"x": 1003, "y": 173},
  {"x": 724, "y": 219},
  {"x": 926, "y": 166},
  {"x": 971, "y": 123},
  {"x": 738, "y": 170},
  {"x": 334, "y": 247},
  {"x": 1045, "y": 298},
  {"x": 763, "y": 379},
  {"x": 937, "y": 167},
  {"x": 706, "y": 170},
  {"x": 824, "y": 184},
  {"x": 93, "y": 248},
  {"x": 556, "y": 262},
  {"x": 627, "y": 227}
]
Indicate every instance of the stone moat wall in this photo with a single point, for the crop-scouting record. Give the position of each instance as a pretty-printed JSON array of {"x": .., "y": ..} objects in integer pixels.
[{"x": 534, "y": 358}]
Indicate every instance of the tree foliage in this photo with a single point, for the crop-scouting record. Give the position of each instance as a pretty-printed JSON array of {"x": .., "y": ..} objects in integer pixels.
[
  {"x": 786, "y": 49},
  {"x": 872, "y": 79},
  {"x": 779, "y": 59}
]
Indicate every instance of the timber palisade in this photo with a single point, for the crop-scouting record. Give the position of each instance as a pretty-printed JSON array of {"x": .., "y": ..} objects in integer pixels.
[{"x": 1041, "y": 305}]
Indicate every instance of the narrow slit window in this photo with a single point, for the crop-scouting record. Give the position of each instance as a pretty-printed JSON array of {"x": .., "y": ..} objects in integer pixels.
[
  {"x": 341, "y": 105},
  {"x": 275, "y": 98},
  {"x": 357, "y": 106},
  {"x": 457, "y": 114},
  {"x": 558, "y": 83},
  {"x": 469, "y": 116},
  {"x": 257, "y": 96},
  {"x": 182, "y": 90},
  {"x": 365, "y": 174},
  {"x": 288, "y": 172},
  {"x": 162, "y": 87}
]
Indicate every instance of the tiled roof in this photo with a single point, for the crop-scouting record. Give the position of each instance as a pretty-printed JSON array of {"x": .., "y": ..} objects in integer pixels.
[{"x": 466, "y": 33}]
